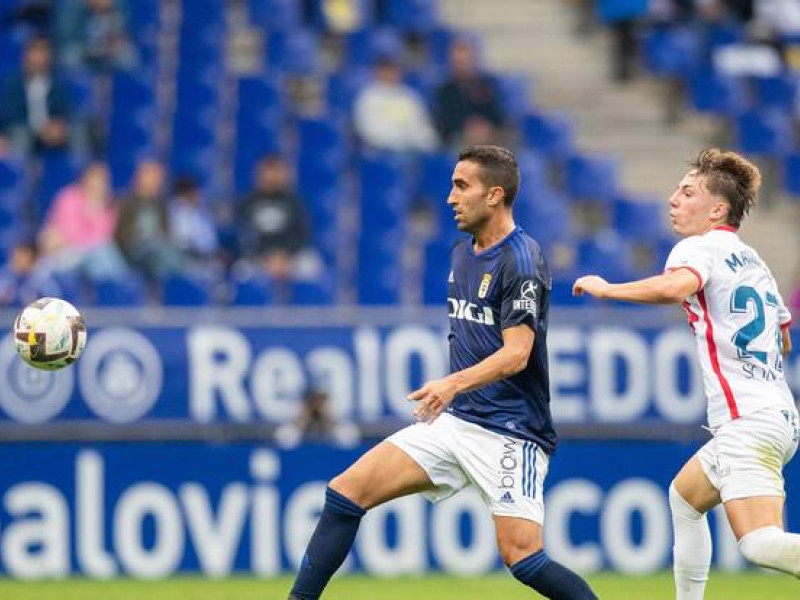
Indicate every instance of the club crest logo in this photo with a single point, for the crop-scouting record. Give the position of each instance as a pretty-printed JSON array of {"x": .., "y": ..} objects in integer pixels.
[{"x": 484, "y": 288}]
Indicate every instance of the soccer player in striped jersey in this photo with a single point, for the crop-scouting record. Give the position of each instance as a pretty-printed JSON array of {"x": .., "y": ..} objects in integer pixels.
[
  {"x": 741, "y": 326},
  {"x": 488, "y": 423}
]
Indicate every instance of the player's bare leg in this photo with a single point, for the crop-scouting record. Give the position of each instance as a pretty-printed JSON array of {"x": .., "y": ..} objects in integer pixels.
[
  {"x": 382, "y": 474},
  {"x": 520, "y": 545},
  {"x": 757, "y": 523},
  {"x": 691, "y": 496}
]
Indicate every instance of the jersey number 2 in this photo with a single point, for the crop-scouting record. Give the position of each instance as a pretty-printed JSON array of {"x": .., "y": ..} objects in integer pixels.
[{"x": 742, "y": 297}]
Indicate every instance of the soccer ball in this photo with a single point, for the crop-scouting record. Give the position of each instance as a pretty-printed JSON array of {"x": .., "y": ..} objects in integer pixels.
[{"x": 49, "y": 334}]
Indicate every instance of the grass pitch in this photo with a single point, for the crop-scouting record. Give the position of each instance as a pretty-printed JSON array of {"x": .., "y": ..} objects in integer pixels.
[{"x": 754, "y": 585}]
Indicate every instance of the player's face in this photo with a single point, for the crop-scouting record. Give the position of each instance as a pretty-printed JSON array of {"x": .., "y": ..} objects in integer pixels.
[
  {"x": 470, "y": 198},
  {"x": 692, "y": 208}
]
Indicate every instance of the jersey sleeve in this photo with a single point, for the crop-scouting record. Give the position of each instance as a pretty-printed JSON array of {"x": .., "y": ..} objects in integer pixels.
[
  {"x": 522, "y": 292},
  {"x": 693, "y": 254}
]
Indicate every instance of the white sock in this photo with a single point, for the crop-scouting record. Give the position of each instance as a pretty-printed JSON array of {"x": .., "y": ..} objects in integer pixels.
[
  {"x": 774, "y": 548},
  {"x": 692, "y": 549}
]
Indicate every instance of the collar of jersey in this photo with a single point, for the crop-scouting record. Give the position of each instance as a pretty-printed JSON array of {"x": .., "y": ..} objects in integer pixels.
[
  {"x": 492, "y": 250},
  {"x": 730, "y": 228}
]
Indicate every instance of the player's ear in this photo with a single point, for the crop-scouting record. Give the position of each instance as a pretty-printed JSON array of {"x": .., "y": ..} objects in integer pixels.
[
  {"x": 720, "y": 210},
  {"x": 496, "y": 195}
]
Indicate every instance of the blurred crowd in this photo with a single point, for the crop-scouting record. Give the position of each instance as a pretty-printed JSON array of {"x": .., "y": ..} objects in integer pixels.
[{"x": 96, "y": 232}]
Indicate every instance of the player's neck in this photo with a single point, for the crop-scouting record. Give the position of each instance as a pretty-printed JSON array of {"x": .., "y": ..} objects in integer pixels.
[{"x": 493, "y": 233}]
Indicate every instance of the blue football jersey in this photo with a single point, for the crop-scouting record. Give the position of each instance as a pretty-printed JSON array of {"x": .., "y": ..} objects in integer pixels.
[{"x": 503, "y": 286}]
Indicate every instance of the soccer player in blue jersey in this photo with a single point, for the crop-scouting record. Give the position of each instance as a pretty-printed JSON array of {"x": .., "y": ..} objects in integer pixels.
[{"x": 486, "y": 424}]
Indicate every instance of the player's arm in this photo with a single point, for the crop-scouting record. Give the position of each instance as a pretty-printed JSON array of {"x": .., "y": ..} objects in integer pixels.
[
  {"x": 512, "y": 358},
  {"x": 786, "y": 346},
  {"x": 670, "y": 288}
]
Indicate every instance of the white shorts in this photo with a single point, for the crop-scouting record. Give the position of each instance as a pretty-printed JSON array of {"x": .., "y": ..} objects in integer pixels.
[
  {"x": 508, "y": 472},
  {"x": 746, "y": 456}
]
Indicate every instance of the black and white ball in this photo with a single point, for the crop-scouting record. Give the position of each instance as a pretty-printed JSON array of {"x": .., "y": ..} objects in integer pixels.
[{"x": 49, "y": 334}]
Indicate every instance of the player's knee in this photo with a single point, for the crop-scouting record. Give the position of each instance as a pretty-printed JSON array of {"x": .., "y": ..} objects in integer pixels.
[
  {"x": 771, "y": 547},
  {"x": 514, "y": 550},
  {"x": 343, "y": 485}
]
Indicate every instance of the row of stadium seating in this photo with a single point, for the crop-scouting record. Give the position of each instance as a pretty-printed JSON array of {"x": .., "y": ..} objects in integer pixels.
[
  {"x": 748, "y": 86},
  {"x": 334, "y": 174}
]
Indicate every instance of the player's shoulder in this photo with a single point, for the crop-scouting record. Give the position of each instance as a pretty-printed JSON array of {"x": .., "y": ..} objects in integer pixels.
[{"x": 523, "y": 254}]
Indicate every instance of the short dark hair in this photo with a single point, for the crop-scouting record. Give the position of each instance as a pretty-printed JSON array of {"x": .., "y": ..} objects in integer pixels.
[
  {"x": 732, "y": 176},
  {"x": 498, "y": 168}
]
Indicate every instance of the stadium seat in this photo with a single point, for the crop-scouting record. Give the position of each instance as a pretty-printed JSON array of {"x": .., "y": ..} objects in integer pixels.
[
  {"x": 550, "y": 134},
  {"x": 412, "y": 16},
  {"x": 275, "y": 15},
  {"x": 364, "y": 47},
  {"x": 791, "y": 175},
  {"x": 293, "y": 52},
  {"x": 342, "y": 89},
  {"x": 605, "y": 253},
  {"x": 312, "y": 293},
  {"x": 779, "y": 92},
  {"x": 593, "y": 178},
  {"x": 712, "y": 93},
  {"x": 638, "y": 219},
  {"x": 514, "y": 94},
  {"x": 670, "y": 51},
  {"x": 185, "y": 290},
  {"x": 436, "y": 267},
  {"x": 252, "y": 290},
  {"x": 764, "y": 133},
  {"x": 129, "y": 291}
]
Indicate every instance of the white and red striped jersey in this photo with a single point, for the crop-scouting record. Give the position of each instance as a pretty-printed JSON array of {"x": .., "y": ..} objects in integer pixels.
[{"x": 737, "y": 315}]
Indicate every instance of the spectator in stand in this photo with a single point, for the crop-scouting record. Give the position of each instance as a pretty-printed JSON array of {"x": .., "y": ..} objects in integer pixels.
[
  {"x": 143, "y": 228},
  {"x": 316, "y": 423},
  {"x": 94, "y": 34},
  {"x": 390, "y": 115},
  {"x": 273, "y": 224},
  {"x": 34, "y": 106},
  {"x": 468, "y": 108},
  {"x": 622, "y": 17},
  {"x": 22, "y": 280},
  {"x": 78, "y": 232},
  {"x": 192, "y": 227}
]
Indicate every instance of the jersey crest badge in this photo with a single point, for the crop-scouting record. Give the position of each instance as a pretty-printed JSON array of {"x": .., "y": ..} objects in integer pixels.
[{"x": 484, "y": 288}]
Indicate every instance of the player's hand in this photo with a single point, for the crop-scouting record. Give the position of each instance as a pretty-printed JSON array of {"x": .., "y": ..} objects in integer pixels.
[
  {"x": 591, "y": 284},
  {"x": 432, "y": 398}
]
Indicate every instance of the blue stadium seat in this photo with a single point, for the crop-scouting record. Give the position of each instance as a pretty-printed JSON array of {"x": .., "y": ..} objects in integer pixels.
[
  {"x": 592, "y": 178},
  {"x": 710, "y": 92},
  {"x": 185, "y": 290},
  {"x": 545, "y": 216},
  {"x": 412, "y": 16},
  {"x": 550, "y": 134},
  {"x": 294, "y": 52},
  {"x": 671, "y": 51},
  {"x": 765, "y": 133},
  {"x": 129, "y": 291},
  {"x": 514, "y": 93},
  {"x": 779, "y": 92},
  {"x": 260, "y": 97},
  {"x": 791, "y": 174},
  {"x": 638, "y": 219},
  {"x": 436, "y": 268},
  {"x": 364, "y": 47},
  {"x": 252, "y": 290},
  {"x": 343, "y": 87},
  {"x": 312, "y": 293},
  {"x": 275, "y": 15},
  {"x": 607, "y": 254},
  {"x": 59, "y": 170}
]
